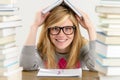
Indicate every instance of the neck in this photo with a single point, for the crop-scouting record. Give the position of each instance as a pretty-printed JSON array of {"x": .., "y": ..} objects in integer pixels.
[{"x": 66, "y": 50}]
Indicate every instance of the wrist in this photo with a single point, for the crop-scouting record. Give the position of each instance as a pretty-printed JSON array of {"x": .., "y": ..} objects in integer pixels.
[
  {"x": 91, "y": 29},
  {"x": 92, "y": 33},
  {"x": 34, "y": 27}
]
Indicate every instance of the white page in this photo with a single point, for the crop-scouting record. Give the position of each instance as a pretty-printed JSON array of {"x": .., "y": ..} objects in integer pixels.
[{"x": 60, "y": 72}]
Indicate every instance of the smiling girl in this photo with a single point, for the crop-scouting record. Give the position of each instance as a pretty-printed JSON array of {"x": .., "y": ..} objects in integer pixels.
[{"x": 60, "y": 44}]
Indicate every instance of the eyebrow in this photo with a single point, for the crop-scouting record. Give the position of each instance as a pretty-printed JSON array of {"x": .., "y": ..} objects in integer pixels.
[{"x": 60, "y": 26}]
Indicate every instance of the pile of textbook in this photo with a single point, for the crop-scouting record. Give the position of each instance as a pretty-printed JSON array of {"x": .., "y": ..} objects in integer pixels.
[
  {"x": 9, "y": 59},
  {"x": 108, "y": 40}
]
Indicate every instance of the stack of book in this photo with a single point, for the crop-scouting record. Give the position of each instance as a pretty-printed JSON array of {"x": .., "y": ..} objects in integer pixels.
[
  {"x": 108, "y": 40},
  {"x": 9, "y": 59}
]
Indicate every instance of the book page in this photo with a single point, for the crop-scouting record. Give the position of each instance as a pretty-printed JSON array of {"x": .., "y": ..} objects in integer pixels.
[{"x": 60, "y": 72}]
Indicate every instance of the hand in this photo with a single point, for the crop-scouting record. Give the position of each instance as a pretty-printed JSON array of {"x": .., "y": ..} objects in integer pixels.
[
  {"x": 40, "y": 18},
  {"x": 85, "y": 20},
  {"x": 87, "y": 24}
]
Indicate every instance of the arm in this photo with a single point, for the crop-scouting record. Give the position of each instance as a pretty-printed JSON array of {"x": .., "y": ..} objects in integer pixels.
[
  {"x": 88, "y": 55},
  {"x": 88, "y": 51},
  {"x": 31, "y": 39},
  {"x": 30, "y": 59},
  {"x": 86, "y": 23}
]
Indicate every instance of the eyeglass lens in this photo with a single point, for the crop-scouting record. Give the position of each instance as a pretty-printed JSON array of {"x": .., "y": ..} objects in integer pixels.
[{"x": 66, "y": 30}]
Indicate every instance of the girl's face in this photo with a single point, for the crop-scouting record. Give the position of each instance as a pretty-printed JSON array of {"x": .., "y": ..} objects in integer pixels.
[{"x": 62, "y": 35}]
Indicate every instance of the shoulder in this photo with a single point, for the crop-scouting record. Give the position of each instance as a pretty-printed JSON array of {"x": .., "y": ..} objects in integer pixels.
[
  {"x": 27, "y": 49},
  {"x": 29, "y": 46},
  {"x": 88, "y": 45}
]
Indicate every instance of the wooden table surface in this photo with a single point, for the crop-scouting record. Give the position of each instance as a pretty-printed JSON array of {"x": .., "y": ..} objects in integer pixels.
[{"x": 86, "y": 75}]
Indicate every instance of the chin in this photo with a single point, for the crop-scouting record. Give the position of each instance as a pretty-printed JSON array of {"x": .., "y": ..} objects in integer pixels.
[{"x": 61, "y": 47}]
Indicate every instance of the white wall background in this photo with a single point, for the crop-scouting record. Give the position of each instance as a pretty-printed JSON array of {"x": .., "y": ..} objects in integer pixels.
[{"x": 28, "y": 9}]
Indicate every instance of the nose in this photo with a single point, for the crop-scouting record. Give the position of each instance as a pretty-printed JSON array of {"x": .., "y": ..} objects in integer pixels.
[{"x": 61, "y": 32}]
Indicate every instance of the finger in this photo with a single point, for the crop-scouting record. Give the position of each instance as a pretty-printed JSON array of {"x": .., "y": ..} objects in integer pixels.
[
  {"x": 80, "y": 20},
  {"x": 45, "y": 15}
]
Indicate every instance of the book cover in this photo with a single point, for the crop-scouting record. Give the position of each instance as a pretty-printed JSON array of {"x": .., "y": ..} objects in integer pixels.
[
  {"x": 9, "y": 68},
  {"x": 14, "y": 76},
  {"x": 6, "y": 5},
  {"x": 8, "y": 50},
  {"x": 107, "y": 9},
  {"x": 10, "y": 24},
  {"x": 108, "y": 71},
  {"x": 9, "y": 9},
  {"x": 60, "y": 72},
  {"x": 8, "y": 62},
  {"x": 109, "y": 29},
  {"x": 7, "y": 39},
  {"x": 7, "y": 32},
  {"x": 104, "y": 77},
  {"x": 9, "y": 18},
  {"x": 64, "y": 2},
  {"x": 109, "y": 25},
  {"x": 8, "y": 45},
  {"x": 9, "y": 73},
  {"x": 109, "y": 21},
  {"x": 8, "y": 13},
  {"x": 108, "y": 39},
  {"x": 108, "y": 51},
  {"x": 109, "y": 16},
  {"x": 8, "y": 1},
  {"x": 112, "y": 33},
  {"x": 8, "y": 55},
  {"x": 105, "y": 61},
  {"x": 110, "y": 2}
]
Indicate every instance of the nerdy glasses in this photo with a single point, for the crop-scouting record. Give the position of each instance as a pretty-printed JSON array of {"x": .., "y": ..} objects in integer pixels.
[{"x": 68, "y": 30}]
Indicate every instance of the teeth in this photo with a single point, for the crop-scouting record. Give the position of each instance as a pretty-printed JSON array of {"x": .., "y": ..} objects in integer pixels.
[{"x": 61, "y": 40}]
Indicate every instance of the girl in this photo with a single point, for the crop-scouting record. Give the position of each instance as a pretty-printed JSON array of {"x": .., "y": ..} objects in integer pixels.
[{"x": 60, "y": 44}]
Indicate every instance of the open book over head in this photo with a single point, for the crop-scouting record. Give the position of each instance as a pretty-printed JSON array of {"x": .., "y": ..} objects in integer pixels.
[{"x": 62, "y": 2}]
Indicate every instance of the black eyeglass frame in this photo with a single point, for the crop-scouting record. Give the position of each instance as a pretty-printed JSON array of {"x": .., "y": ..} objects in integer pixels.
[{"x": 62, "y": 28}]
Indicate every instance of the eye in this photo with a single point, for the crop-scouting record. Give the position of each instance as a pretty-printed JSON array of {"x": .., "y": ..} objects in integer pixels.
[
  {"x": 68, "y": 28},
  {"x": 55, "y": 28}
]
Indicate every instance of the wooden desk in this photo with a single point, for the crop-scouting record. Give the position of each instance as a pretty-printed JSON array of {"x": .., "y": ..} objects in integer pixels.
[{"x": 86, "y": 75}]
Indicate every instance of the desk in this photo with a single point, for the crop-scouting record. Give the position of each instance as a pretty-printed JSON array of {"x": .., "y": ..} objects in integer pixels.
[{"x": 86, "y": 75}]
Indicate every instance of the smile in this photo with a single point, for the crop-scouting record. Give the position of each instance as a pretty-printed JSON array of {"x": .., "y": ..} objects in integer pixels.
[{"x": 61, "y": 40}]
